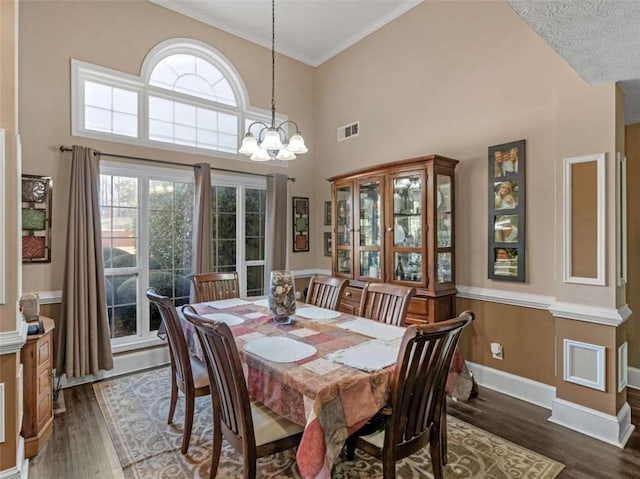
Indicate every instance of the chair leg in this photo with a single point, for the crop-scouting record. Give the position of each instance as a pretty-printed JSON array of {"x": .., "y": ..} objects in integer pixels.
[
  {"x": 215, "y": 452},
  {"x": 350, "y": 445},
  {"x": 188, "y": 422},
  {"x": 442, "y": 426},
  {"x": 174, "y": 399},
  {"x": 435, "y": 448},
  {"x": 249, "y": 465}
]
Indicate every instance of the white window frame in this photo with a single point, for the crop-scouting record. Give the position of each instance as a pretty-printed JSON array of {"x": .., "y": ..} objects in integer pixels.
[
  {"x": 145, "y": 173},
  {"x": 83, "y": 71}
]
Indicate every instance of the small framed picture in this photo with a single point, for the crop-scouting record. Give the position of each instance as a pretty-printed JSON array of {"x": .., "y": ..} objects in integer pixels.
[
  {"x": 327, "y": 213},
  {"x": 506, "y": 194},
  {"x": 505, "y": 229},
  {"x": 505, "y": 262},
  {"x": 327, "y": 244},
  {"x": 300, "y": 222}
]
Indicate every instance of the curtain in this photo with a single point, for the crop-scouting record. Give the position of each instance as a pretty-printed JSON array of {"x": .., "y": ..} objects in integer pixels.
[
  {"x": 202, "y": 247},
  {"x": 275, "y": 254},
  {"x": 83, "y": 341}
]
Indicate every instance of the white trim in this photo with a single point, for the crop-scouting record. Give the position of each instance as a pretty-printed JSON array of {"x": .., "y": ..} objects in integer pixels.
[
  {"x": 621, "y": 220},
  {"x": 633, "y": 378},
  {"x": 2, "y": 423},
  {"x": 308, "y": 273},
  {"x": 591, "y": 314},
  {"x": 569, "y": 277},
  {"x": 3, "y": 192},
  {"x": 123, "y": 364},
  {"x": 12, "y": 341},
  {"x": 614, "y": 430},
  {"x": 50, "y": 297},
  {"x": 525, "y": 389},
  {"x": 623, "y": 366},
  {"x": 21, "y": 469},
  {"x": 526, "y": 300},
  {"x": 600, "y": 363}
]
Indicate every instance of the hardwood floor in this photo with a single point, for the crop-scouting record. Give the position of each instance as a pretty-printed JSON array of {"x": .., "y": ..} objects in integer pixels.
[{"x": 81, "y": 448}]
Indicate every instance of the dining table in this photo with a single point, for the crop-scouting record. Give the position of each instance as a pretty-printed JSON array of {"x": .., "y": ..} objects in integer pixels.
[{"x": 326, "y": 370}]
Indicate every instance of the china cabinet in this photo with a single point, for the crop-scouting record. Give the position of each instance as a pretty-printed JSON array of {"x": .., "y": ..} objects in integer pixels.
[{"x": 394, "y": 223}]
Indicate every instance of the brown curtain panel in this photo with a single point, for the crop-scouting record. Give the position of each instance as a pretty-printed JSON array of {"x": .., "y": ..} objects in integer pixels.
[
  {"x": 202, "y": 245},
  {"x": 83, "y": 341},
  {"x": 275, "y": 256}
]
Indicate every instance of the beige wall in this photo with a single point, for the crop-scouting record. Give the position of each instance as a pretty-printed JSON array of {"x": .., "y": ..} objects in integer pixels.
[
  {"x": 447, "y": 77},
  {"x": 633, "y": 241},
  {"x": 113, "y": 35},
  {"x": 9, "y": 363}
]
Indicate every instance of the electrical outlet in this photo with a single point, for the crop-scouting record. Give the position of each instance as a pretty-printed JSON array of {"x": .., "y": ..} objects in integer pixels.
[{"x": 496, "y": 351}]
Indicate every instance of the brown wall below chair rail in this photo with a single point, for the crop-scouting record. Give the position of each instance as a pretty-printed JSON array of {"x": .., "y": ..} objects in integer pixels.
[
  {"x": 527, "y": 336},
  {"x": 632, "y": 145}
]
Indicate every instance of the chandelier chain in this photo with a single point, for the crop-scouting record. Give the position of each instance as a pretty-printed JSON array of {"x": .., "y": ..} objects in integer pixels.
[{"x": 273, "y": 63}]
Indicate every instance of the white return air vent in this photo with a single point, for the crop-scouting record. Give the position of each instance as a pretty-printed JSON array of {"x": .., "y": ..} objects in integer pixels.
[{"x": 349, "y": 131}]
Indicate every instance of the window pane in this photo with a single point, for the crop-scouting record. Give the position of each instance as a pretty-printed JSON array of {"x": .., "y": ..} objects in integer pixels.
[
  {"x": 255, "y": 280},
  {"x": 160, "y": 109},
  {"x": 97, "y": 119},
  {"x": 208, "y": 71},
  {"x": 125, "y": 191},
  {"x": 228, "y": 123},
  {"x": 97, "y": 95},
  {"x": 255, "y": 209},
  {"x": 125, "y": 101},
  {"x": 123, "y": 321},
  {"x": 194, "y": 85},
  {"x": 161, "y": 131},
  {"x": 185, "y": 135},
  {"x": 125, "y": 124},
  {"x": 224, "y": 93},
  {"x": 207, "y": 119},
  {"x": 185, "y": 114},
  {"x": 228, "y": 143}
]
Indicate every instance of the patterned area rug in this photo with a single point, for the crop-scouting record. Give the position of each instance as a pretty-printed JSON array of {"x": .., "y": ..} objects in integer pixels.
[{"x": 136, "y": 407}]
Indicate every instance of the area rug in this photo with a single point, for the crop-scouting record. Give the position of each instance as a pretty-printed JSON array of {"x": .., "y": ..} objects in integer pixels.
[{"x": 135, "y": 409}]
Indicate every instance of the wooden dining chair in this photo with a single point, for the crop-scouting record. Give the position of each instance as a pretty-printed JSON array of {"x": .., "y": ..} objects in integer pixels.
[
  {"x": 188, "y": 374},
  {"x": 386, "y": 303},
  {"x": 215, "y": 286},
  {"x": 416, "y": 412},
  {"x": 248, "y": 426},
  {"x": 326, "y": 291}
]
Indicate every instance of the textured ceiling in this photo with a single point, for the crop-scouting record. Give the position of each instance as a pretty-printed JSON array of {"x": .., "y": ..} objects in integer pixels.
[{"x": 600, "y": 39}]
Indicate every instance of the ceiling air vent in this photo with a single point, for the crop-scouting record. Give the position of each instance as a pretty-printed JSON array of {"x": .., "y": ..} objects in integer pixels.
[{"x": 348, "y": 131}]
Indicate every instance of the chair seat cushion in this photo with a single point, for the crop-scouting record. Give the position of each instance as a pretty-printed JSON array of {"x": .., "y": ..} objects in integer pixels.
[
  {"x": 200, "y": 374},
  {"x": 269, "y": 426}
]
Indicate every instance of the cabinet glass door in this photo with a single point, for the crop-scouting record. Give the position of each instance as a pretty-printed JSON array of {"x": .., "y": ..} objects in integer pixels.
[
  {"x": 444, "y": 235},
  {"x": 370, "y": 228},
  {"x": 344, "y": 224},
  {"x": 407, "y": 227}
]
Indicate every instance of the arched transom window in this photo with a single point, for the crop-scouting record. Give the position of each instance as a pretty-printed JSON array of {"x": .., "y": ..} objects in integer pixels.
[{"x": 188, "y": 97}]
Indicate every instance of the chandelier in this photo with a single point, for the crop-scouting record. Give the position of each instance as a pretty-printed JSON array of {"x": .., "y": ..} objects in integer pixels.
[{"x": 271, "y": 140}]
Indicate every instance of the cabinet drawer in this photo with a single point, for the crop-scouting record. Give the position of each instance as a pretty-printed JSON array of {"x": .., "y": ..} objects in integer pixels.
[{"x": 418, "y": 306}]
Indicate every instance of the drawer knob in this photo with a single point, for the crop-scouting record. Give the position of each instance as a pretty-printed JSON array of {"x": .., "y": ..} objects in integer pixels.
[{"x": 348, "y": 293}]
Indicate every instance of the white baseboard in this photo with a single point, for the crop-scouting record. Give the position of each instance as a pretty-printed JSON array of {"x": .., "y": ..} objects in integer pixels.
[
  {"x": 516, "y": 386},
  {"x": 614, "y": 430},
  {"x": 633, "y": 379},
  {"x": 123, "y": 364}
]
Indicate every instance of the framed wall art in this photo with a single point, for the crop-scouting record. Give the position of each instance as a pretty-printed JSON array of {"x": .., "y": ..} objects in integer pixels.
[
  {"x": 300, "y": 224},
  {"x": 506, "y": 221},
  {"x": 327, "y": 244},
  {"x": 327, "y": 213},
  {"x": 36, "y": 218}
]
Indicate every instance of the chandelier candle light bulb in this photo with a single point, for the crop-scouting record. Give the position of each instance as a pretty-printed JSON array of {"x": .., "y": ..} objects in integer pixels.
[{"x": 271, "y": 141}]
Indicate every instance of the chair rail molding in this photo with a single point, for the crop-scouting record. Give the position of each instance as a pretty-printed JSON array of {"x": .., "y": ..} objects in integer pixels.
[
  {"x": 12, "y": 341},
  {"x": 514, "y": 298},
  {"x": 591, "y": 314}
]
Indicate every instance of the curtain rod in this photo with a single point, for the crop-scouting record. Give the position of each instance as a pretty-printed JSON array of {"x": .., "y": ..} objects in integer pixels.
[{"x": 174, "y": 163}]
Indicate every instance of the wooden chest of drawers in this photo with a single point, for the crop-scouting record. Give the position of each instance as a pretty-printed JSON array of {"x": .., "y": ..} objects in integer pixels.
[{"x": 37, "y": 357}]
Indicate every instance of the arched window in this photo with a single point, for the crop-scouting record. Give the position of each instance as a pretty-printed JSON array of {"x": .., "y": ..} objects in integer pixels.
[{"x": 188, "y": 97}]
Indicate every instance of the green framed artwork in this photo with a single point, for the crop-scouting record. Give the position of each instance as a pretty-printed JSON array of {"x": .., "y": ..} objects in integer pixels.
[
  {"x": 300, "y": 221},
  {"x": 36, "y": 218}
]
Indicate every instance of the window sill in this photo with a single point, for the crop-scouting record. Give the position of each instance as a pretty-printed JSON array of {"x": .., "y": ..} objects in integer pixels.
[{"x": 138, "y": 343}]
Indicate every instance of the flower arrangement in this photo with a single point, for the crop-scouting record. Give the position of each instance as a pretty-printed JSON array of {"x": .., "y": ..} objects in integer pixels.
[{"x": 282, "y": 295}]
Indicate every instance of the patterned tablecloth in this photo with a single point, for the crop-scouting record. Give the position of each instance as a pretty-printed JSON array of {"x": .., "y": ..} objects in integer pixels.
[{"x": 330, "y": 399}]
